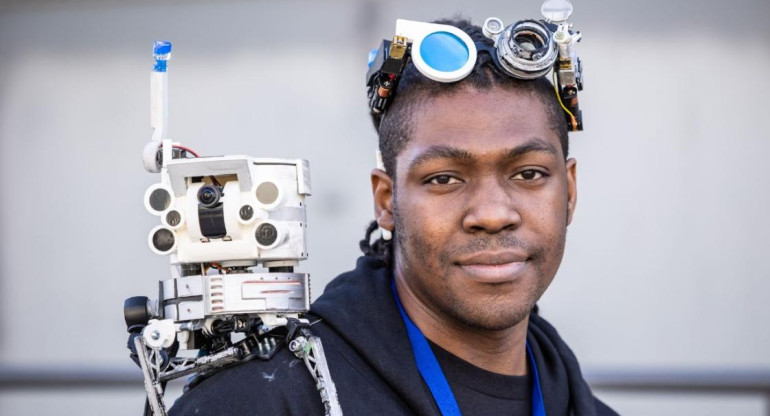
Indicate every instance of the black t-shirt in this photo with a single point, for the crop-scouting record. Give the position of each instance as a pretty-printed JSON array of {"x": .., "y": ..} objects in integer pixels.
[{"x": 481, "y": 392}]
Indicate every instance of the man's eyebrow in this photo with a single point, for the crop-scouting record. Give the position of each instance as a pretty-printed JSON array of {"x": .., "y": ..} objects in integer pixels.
[
  {"x": 533, "y": 145},
  {"x": 441, "y": 152},
  {"x": 461, "y": 155}
]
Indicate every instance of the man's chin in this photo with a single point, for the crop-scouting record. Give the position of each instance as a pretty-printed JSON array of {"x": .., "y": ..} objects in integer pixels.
[{"x": 490, "y": 316}]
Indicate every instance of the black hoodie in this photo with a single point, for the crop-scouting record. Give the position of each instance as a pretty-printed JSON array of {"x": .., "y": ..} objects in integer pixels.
[{"x": 371, "y": 363}]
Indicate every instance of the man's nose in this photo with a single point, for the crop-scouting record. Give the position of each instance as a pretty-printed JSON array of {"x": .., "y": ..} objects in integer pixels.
[{"x": 491, "y": 207}]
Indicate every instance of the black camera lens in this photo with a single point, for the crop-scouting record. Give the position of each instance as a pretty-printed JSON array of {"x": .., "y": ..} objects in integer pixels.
[{"x": 209, "y": 195}]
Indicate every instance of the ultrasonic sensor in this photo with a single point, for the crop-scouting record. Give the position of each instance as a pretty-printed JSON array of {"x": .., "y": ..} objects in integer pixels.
[
  {"x": 267, "y": 193},
  {"x": 158, "y": 198},
  {"x": 266, "y": 235},
  {"x": 246, "y": 213},
  {"x": 173, "y": 218},
  {"x": 162, "y": 240}
]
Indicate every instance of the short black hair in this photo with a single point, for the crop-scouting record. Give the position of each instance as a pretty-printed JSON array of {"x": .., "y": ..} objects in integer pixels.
[{"x": 394, "y": 127}]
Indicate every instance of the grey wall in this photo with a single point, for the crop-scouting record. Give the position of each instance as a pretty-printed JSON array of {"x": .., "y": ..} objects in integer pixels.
[{"x": 666, "y": 259}]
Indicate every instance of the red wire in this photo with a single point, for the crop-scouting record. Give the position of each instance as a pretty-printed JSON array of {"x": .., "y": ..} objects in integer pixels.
[{"x": 186, "y": 149}]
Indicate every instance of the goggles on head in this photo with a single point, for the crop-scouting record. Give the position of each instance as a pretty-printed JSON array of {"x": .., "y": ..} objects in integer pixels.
[{"x": 527, "y": 49}]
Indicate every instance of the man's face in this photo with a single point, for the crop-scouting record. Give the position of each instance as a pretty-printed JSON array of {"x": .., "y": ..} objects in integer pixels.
[{"x": 481, "y": 204}]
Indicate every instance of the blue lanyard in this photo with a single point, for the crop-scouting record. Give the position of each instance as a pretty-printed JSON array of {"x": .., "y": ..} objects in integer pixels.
[{"x": 434, "y": 377}]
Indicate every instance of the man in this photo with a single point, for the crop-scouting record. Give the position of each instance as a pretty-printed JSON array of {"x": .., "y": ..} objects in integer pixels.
[{"x": 477, "y": 193}]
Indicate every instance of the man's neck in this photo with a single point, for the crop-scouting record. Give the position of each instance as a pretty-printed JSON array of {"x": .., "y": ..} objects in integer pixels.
[{"x": 502, "y": 351}]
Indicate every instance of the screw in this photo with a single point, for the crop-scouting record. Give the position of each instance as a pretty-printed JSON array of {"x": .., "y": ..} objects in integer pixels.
[{"x": 155, "y": 335}]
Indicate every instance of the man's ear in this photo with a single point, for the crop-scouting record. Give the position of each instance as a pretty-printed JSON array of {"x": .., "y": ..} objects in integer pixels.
[
  {"x": 382, "y": 191},
  {"x": 571, "y": 188}
]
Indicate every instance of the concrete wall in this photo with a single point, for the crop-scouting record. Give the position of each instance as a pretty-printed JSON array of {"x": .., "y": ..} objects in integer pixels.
[{"x": 665, "y": 263}]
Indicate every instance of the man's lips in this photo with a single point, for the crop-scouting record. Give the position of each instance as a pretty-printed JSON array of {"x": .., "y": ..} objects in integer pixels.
[{"x": 494, "y": 267}]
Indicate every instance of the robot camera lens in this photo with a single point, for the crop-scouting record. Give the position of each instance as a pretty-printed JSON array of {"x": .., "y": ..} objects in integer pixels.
[{"x": 208, "y": 196}]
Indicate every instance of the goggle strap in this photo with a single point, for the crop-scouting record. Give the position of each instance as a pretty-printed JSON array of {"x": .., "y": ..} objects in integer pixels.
[{"x": 492, "y": 51}]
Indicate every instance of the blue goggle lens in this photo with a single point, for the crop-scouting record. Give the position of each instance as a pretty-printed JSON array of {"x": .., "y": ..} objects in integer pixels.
[{"x": 444, "y": 51}]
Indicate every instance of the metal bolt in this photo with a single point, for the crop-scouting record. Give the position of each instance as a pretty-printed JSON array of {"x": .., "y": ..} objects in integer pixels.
[{"x": 155, "y": 335}]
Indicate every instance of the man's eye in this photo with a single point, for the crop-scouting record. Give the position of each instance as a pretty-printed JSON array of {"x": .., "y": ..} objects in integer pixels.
[
  {"x": 443, "y": 180},
  {"x": 528, "y": 175}
]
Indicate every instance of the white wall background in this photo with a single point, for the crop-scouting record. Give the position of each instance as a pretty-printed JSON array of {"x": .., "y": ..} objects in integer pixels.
[{"x": 666, "y": 260}]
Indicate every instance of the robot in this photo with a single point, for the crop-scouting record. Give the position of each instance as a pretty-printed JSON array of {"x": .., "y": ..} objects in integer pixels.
[{"x": 220, "y": 218}]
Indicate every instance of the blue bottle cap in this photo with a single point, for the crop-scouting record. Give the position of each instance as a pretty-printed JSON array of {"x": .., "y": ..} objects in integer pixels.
[
  {"x": 161, "y": 47},
  {"x": 161, "y": 50}
]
